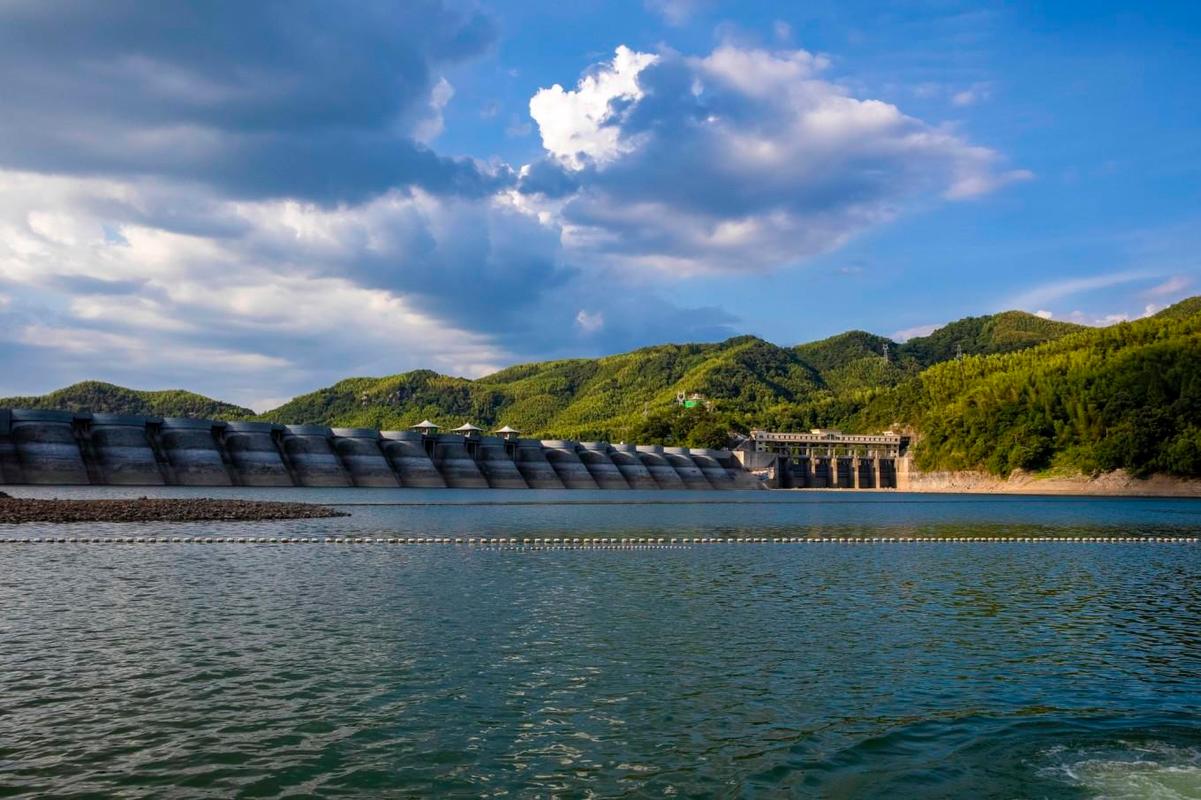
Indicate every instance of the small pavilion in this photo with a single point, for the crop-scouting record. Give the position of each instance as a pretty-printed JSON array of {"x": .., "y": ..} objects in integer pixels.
[
  {"x": 426, "y": 428},
  {"x": 468, "y": 430},
  {"x": 507, "y": 433}
]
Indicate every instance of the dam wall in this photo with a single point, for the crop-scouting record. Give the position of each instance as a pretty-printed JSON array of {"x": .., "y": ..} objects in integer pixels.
[
  {"x": 409, "y": 456},
  {"x": 534, "y": 466},
  {"x": 194, "y": 451},
  {"x": 625, "y": 458},
  {"x": 680, "y": 459},
  {"x": 651, "y": 456},
  {"x": 498, "y": 466},
  {"x": 61, "y": 448},
  {"x": 358, "y": 450},
  {"x": 564, "y": 458},
  {"x": 254, "y": 449},
  {"x": 595, "y": 457}
]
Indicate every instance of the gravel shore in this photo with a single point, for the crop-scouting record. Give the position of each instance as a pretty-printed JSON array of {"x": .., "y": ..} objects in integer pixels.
[{"x": 17, "y": 510}]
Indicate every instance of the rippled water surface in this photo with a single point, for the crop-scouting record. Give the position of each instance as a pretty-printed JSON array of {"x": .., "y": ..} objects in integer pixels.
[{"x": 956, "y": 670}]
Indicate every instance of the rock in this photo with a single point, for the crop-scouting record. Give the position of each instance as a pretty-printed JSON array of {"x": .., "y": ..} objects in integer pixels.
[{"x": 165, "y": 510}]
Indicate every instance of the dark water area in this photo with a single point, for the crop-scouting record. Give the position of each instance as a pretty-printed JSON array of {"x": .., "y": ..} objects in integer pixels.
[{"x": 944, "y": 670}]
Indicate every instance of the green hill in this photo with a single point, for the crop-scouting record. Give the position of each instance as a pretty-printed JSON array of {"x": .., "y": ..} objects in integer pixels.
[
  {"x": 745, "y": 382},
  {"x": 583, "y": 398},
  {"x": 845, "y": 380},
  {"x": 977, "y": 336},
  {"x": 1126, "y": 396},
  {"x": 108, "y": 398}
]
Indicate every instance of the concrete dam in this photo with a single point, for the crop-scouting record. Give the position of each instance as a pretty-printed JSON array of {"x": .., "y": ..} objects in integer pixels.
[
  {"x": 63, "y": 448},
  {"x": 827, "y": 459}
]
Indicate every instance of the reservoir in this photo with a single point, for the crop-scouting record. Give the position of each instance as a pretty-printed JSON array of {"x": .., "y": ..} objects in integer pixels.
[{"x": 939, "y": 669}]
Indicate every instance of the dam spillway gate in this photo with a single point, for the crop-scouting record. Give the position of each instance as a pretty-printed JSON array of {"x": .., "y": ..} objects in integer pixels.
[
  {"x": 826, "y": 459},
  {"x": 60, "y": 448}
]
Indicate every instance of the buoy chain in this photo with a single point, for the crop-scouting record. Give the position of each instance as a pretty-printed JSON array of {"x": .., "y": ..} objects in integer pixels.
[{"x": 592, "y": 542}]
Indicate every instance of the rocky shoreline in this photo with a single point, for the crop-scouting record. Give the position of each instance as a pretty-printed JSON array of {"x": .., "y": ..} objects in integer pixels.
[
  {"x": 15, "y": 510},
  {"x": 1118, "y": 483}
]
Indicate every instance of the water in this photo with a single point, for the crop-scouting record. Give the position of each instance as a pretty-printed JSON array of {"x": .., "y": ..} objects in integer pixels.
[{"x": 1003, "y": 670}]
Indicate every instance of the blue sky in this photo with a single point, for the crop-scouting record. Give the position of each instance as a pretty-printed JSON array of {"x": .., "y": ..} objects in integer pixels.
[{"x": 254, "y": 201}]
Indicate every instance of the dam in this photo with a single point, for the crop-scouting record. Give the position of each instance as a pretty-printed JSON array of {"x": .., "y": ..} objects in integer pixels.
[
  {"x": 826, "y": 459},
  {"x": 62, "y": 448}
]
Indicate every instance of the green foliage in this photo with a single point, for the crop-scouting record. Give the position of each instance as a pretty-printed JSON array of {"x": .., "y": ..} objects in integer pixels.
[
  {"x": 1000, "y": 333},
  {"x": 99, "y": 397},
  {"x": 1029, "y": 394},
  {"x": 1099, "y": 399}
]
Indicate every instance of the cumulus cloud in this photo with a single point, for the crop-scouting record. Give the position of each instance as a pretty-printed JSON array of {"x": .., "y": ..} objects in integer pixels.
[
  {"x": 582, "y": 126},
  {"x": 742, "y": 159},
  {"x": 264, "y": 99},
  {"x": 225, "y": 306},
  {"x": 245, "y": 200}
]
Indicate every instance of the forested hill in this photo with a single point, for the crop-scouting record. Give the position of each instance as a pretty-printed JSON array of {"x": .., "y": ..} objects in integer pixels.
[
  {"x": 1126, "y": 396},
  {"x": 745, "y": 381},
  {"x": 107, "y": 398}
]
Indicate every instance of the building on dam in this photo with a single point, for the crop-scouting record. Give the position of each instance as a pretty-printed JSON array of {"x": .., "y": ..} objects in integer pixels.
[{"x": 824, "y": 458}]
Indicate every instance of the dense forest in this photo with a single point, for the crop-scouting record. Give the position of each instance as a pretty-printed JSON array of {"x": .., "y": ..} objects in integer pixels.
[
  {"x": 99, "y": 397},
  {"x": 996, "y": 393}
]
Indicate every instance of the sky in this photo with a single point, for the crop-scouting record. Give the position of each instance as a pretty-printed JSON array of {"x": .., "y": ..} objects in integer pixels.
[{"x": 256, "y": 200}]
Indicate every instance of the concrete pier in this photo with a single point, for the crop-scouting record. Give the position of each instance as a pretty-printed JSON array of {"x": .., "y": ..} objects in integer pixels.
[
  {"x": 192, "y": 450},
  {"x": 651, "y": 456},
  {"x": 312, "y": 457},
  {"x": 497, "y": 465},
  {"x": 625, "y": 458},
  {"x": 534, "y": 466},
  {"x": 359, "y": 451},
  {"x": 457, "y": 466},
  {"x": 562, "y": 455},
  {"x": 407, "y": 454},
  {"x": 709, "y": 465},
  {"x": 680, "y": 458},
  {"x": 595, "y": 456},
  {"x": 47, "y": 449},
  {"x": 255, "y": 454},
  {"x": 123, "y": 451}
]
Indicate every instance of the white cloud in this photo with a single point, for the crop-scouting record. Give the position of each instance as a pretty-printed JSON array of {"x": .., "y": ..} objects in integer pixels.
[
  {"x": 676, "y": 12},
  {"x": 1177, "y": 284},
  {"x": 580, "y": 126},
  {"x": 743, "y": 159},
  {"x": 590, "y": 322},
  {"x": 1044, "y": 314},
  {"x": 278, "y": 298},
  {"x": 906, "y": 334},
  {"x": 1047, "y": 293},
  {"x": 430, "y": 127},
  {"x": 976, "y": 93}
]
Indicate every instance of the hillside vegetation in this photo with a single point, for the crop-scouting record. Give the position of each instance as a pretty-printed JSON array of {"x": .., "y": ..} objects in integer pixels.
[
  {"x": 746, "y": 382},
  {"x": 108, "y": 398},
  {"x": 1126, "y": 396},
  {"x": 1028, "y": 393}
]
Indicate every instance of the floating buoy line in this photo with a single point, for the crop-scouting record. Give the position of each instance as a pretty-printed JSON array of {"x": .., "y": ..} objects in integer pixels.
[{"x": 591, "y": 543}]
